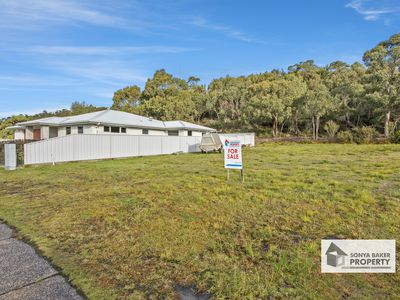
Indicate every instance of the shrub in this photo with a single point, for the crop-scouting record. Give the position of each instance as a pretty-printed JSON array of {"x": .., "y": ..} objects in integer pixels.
[
  {"x": 345, "y": 137},
  {"x": 395, "y": 137},
  {"x": 331, "y": 128},
  {"x": 364, "y": 135}
]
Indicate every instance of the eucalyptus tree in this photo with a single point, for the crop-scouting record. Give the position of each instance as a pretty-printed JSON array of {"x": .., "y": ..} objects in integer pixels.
[
  {"x": 126, "y": 99},
  {"x": 166, "y": 97},
  {"x": 271, "y": 99},
  {"x": 317, "y": 101},
  {"x": 227, "y": 97},
  {"x": 383, "y": 77},
  {"x": 345, "y": 83}
]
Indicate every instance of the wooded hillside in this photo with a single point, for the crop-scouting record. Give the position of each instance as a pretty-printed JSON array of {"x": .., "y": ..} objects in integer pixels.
[{"x": 306, "y": 99}]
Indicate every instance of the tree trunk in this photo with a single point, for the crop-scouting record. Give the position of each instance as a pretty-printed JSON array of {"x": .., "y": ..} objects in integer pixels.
[
  {"x": 313, "y": 127},
  {"x": 317, "y": 128},
  {"x": 274, "y": 127},
  {"x": 387, "y": 120}
]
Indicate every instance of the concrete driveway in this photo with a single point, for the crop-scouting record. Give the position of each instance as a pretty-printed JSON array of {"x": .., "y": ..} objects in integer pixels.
[{"x": 26, "y": 275}]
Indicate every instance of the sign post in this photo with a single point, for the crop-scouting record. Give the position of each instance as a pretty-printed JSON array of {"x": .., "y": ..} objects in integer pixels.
[{"x": 233, "y": 157}]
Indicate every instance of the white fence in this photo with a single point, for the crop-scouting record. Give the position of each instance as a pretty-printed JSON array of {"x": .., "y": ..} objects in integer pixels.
[
  {"x": 247, "y": 139},
  {"x": 101, "y": 146}
]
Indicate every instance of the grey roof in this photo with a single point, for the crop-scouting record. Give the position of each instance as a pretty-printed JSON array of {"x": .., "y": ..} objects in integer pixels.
[{"x": 113, "y": 117}]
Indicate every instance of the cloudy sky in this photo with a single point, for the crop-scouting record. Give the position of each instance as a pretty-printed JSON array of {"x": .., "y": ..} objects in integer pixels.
[{"x": 53, "y": 52}]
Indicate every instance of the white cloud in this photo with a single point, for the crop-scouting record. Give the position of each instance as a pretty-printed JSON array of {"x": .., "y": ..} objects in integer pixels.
[
  {"x": 372, "y": 11},
  {"x": 100, "y": 50},
  {"x": 106, "y": 72},
  {"x": 25, "y": 14},
  {"x": 228, "y": 31},
  {"x": 29, "y": 81}
]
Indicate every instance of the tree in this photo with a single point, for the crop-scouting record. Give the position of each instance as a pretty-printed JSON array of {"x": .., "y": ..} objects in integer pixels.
[
  {"x": 227, "y": 97},
  {"x": 383, "y": 77},
  {"x": 345, "y": 83},
  {"x": 127, "y": 99},
  {"x": 318, "y": 102},
  {"x": 166, "y": 97},
  {"x": 78, "y": 108},
  {"x": 163, "y": 85},
  {"x": 272, "y": 99}
]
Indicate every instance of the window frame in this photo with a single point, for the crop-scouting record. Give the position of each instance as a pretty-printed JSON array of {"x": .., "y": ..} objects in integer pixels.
[
  {"x": 173, "y": 131},
  {"x": 106, "y": 128},
  {"x": 145, "y": 131},
  {"x": 123, "y": 130},
  {"x": 113, "y": 128},
  {"x": 80, "y": 129},
  {"x": 190, "y": 133},
  {"x": 68, "y": 130}
]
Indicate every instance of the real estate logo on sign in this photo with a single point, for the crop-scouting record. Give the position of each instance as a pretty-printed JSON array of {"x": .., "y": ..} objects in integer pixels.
[
  {"x": 358, "y": 256},
  {"x": 233, "y": 155}
]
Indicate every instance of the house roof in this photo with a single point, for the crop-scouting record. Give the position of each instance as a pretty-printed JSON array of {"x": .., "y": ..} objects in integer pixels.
[{"x": 113, "y": 117}]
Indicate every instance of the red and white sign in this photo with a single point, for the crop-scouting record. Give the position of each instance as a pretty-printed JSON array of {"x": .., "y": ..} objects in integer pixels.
[{"x": 233, "y": 155}]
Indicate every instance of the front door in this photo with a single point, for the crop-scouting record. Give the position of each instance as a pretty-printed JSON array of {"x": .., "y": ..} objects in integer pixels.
[{"x": 36, "y": 134}]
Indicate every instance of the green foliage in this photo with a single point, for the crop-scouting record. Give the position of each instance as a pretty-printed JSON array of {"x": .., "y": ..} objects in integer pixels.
[
  {"x": 78, "y": 108},
  {"x": 345, "y": 137},
  {"x": 272, "y": 99},
  {"x": 331, "y": 128},
  {"x": 364, "y": 135},
  {"x": 383, "y": 77},
  {"x": 126, "y": 99},
  {"x": 395, "y": 137}
]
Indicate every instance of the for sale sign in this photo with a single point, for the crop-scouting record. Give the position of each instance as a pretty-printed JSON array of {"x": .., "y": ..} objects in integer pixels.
[{"x": 233, "y": 155}]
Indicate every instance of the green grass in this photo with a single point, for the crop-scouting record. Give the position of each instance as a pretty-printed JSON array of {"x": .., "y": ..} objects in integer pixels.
[{"x": 133, "y": 228}]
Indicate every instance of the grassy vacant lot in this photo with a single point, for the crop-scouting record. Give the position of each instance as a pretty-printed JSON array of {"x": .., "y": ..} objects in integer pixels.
[{"x": 134, "y": 228}]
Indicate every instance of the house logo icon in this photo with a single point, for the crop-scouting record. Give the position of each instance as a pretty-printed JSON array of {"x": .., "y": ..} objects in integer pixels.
[
  {"x": 335, "y": 256},
  {"x": 226, "y": 143}
]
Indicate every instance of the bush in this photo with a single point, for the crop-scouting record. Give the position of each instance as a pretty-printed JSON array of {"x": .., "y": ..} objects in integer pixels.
[
  {"x": 331, "y": 128},
  {"x": 364, "y": 135},
  {"x": 345, "y": 137},
  {"x": 395, "y": 137}
]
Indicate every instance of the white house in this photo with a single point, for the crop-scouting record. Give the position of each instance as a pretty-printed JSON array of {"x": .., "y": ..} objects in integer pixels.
[{"x": 104, "y": 122}]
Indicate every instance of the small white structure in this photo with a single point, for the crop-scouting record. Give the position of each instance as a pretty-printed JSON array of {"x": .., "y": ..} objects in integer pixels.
[
  {"x": 104, "y": 122},
  {"x": 10, "y": 157},
  {"x": 246, "y": 139}
]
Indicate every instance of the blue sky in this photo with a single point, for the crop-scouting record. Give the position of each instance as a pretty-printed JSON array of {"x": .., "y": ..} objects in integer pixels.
[{"x": 53, "y": 52}]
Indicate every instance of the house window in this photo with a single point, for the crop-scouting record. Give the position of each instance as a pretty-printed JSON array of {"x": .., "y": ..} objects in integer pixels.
[
  {"x": 173, "y": 132},
  {"x": 123, "y": 130},
  {"x": 80, "y": 129},
  {"x": 189, "y": 133},
  {"x": 106, "y": 128},
  {"x": 145, "y": 131},
  {"x": 115, "y": 129},
  {"x": 68, "y": 130}
]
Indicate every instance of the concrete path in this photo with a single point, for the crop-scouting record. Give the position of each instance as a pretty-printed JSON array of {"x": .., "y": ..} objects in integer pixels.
[{"x": 26, "y": 275}]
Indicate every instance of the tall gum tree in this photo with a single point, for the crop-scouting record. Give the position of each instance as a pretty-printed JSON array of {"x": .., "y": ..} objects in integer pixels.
[
  {"x": 383, "y": 77},
  {"x": 272, "y": 99}
]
